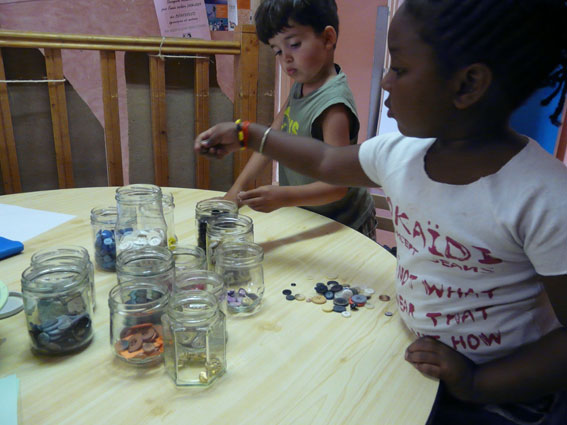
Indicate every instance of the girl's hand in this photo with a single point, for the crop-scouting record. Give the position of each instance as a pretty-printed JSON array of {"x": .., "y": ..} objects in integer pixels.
[
  {"x": 436, "y": 359},
  {"x": 264, "y": 198},
  {"x": 218, "y": 141}
]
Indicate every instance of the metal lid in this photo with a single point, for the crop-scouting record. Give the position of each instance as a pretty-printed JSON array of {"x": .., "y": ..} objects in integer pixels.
[{"x": 14, "y": 304}]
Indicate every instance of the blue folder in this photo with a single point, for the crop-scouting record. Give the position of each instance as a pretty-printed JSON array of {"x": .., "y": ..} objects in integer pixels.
[{"x": 9, "y": 247}]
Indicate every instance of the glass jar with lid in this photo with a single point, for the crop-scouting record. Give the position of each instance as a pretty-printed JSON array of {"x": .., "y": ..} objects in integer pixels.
[
  {"x": 68, "y": 254},
  {"x": 207, "y": 209},
  {"x": 194, "y": 338},
  {"x": 103, "y": 223},
  {"x": 140, "y": 221},
  {"x": 168, "y": 206},
  {"x": 239, "y": 264},
  {"x": 201, "y": 280},
  {"x": 136, "y": 308},
  {"x": 227, "y": 228},
  {"x": 58, "y": 309},
  {"x": 149, "y": 264},
  {"x": 189, "y": 258}
]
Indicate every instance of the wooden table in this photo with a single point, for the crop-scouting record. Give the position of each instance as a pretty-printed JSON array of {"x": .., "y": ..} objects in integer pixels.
[{"x": 290, "y": 364}]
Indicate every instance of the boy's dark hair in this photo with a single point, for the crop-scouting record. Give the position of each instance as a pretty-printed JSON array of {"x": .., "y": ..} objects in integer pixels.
[
  {"x": 273, "y": 16},
  {"x": 524, "y": 42}
]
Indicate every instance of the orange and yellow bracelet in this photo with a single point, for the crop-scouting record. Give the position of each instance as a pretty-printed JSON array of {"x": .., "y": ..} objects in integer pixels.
[{"x": 242, "y": 131}]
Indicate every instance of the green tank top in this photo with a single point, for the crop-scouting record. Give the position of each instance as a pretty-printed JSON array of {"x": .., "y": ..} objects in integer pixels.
[{"x": 299, "y": 118}]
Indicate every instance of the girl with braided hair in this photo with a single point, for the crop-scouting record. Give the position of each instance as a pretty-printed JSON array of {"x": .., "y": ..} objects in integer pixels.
[{"x": 480, "y": 211}]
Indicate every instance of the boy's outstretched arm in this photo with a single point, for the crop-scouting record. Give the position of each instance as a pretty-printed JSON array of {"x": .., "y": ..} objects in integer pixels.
[
  {"x": 335, "y": 165},
  {"x": 532, "y": 371}
]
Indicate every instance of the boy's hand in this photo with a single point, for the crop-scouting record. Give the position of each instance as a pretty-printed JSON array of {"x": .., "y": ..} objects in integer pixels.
[
  {"x": 217, "y": 141},
  {"x": 264, "y": 198},
  {"x": 436, "y": 359}
]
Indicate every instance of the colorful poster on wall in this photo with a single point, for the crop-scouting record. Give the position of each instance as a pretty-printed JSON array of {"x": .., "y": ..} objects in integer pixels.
[
  {"x": 217, "y": 14},
  {"x": 182, "y": 18}
]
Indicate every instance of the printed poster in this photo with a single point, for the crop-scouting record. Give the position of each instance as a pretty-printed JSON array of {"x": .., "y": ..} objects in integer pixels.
[
  {"x": 182, "y": 18},
  {"x": 217, "y": 14}
]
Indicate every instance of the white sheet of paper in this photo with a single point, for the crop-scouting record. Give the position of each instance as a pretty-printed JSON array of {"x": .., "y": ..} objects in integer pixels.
[
  {"x": 21, "y": 224},
  {"x": 182, "y": 18}
]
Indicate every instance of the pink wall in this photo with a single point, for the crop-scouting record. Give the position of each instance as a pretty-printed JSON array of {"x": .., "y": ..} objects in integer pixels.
[{"x": 355, "y": 50}]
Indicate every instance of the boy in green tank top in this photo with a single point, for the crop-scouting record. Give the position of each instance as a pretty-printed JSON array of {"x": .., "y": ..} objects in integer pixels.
[{"x": 303, "y": 35}]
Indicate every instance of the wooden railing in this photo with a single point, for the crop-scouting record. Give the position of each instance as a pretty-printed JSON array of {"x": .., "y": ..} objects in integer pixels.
[{"x": 244, "y": 48}]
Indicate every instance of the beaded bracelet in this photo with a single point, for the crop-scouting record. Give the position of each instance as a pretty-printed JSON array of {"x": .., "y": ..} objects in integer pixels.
[{"x": 242, "y": 131}]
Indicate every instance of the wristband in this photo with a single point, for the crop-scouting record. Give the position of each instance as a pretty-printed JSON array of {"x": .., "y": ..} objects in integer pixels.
[
  {"x": 242, "y": 132},
  {"x": 264, "y": 137}
]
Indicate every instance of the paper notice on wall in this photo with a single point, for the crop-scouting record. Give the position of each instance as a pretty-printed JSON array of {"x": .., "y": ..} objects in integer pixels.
[
  {"x": 182, "y": 18},
  {"x": 232, "y": 15},
  {"x": 217, "y": 14}
]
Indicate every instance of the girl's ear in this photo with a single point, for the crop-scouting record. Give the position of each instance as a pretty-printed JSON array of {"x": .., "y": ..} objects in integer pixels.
[
  {"x": 472, "y": 83},
  {"x": 330, "y": 36}
]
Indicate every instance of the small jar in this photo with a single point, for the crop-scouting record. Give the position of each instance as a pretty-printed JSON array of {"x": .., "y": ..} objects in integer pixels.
[
  {"x": 201, "y": 280},
  {"x": 188, "y": 258},
  {"x": 206, "y": 209},
  {"x": 168, "y": 207},
  {"x": 140, "y": 221},
  {"x": 239, "y": 264},
  {"x": 136, "y": 308},
  {"x": 194, "y": 339},
  {"x": 58, "y": 309},
  {"x": 68, "y": 254},
  {"x": 103, "y": 223},
  {"x": 227, "y": 228},
  {"x": 150, "y": 264}
]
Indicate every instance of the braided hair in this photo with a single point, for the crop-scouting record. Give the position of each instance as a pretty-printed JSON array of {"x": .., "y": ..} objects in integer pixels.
[
  {"x": 523, "y": 42},
  {"x": 273, "y": 16}
]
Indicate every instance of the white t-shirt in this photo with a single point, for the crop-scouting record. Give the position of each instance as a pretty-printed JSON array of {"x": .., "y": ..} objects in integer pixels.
[{"x": 469, "y": 255}]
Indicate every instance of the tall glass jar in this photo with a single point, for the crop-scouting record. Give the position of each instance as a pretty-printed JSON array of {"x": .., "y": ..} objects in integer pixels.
[
  {"x": 194, "y": 339},
  {"x": 168, "y": 206},
  {"x": 201, "y": 280},
  {"x": 103, "y": 223},
  {"x": 207, "y": 209},
  {"x": 149, "y": 264},
  {"x": 136, "y": 308},
  {"x": 227, "y": 228},
  {"x": 68, "y": 254},
  {"x": 58, "y": 309},
  {"x": 140, "y": 220},
  {"x": 188, "y": 258},
  {"x": 239, "y": 264}
]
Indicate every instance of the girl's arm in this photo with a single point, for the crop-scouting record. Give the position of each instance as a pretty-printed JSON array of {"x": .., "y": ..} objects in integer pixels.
[{"x": 335, "y": 165}]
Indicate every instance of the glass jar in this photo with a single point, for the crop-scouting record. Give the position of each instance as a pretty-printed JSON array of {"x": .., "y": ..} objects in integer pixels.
[
  {"x": 149, "y": 264},
  {"x": 188, "y": 258},
  {"x": 140, "y": 221},
  {"x": 136, "y": 308},
  {"x": 168, "y": 207},
  {"x": 239, "y": 264},
  {"x": 68, "y": 254},
  {"x": 57, "y": 305},
  {"x": 202, "y": 280},
  {"x": 194, "y": 339},
  {"x": 103, "y": 223},
  {"x": 206, "y": 209},
  {"x": 227, "y": 228}
]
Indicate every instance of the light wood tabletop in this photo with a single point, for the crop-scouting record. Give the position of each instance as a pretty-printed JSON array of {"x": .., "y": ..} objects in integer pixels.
[{"x": 291, "y": 363}]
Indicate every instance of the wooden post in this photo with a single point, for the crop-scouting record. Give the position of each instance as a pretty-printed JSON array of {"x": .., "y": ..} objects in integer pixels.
[
  {"x": 8, "y": 155},
  {"x": 59, "y": 118},
  {"x": 111, "y": 118},
  {"x": 245, "y": 85},
  {"x": 159, "y": 120},
  {"x": 201, "y": 91}
]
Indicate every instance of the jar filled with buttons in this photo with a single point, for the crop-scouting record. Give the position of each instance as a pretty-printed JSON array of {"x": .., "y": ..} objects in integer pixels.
[
  {"x": 194, "y": 338},
  {"x": 168, "y": 206},
  {"x": 68, "y": 254},
  {"x": 207, "y": 209},
  {"x": 140, "y": 221},
  {"x": 201, "y": 280},
  {"x": 149, "y": 264},
  {"x": 58, "y": 309},
  {"x": 103, "y": 222},
  {"x": 239, "y": 264},
  {"x": 189, "y": 258},
  {"x": 136, "y": 308},
  {"x": 227, "y": 228}
]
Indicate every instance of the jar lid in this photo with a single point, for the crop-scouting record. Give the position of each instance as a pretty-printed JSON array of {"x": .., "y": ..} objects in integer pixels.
[
  {"x": 13, "y": 305},
  {"x": 3, "y": 294}
]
